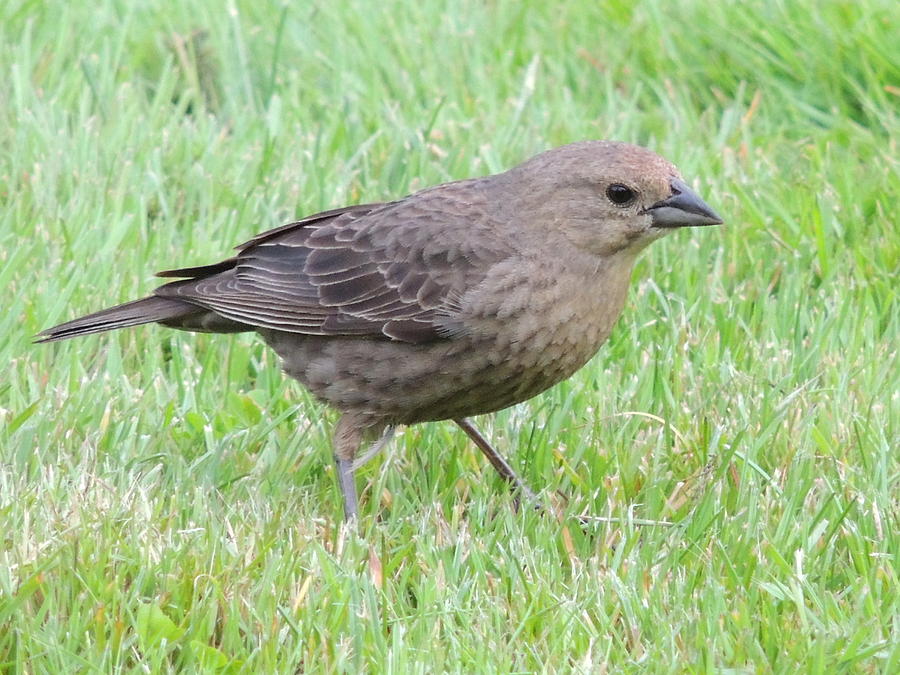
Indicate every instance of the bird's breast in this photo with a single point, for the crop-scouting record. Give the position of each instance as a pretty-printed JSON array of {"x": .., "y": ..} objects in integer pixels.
[{"x": 538, "y": 324}]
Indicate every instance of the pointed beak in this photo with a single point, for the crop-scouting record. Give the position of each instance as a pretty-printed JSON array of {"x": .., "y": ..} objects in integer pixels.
[{"x": 683, "y": 209}]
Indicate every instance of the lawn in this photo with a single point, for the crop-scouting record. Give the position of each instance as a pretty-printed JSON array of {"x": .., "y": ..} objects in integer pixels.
[{"x": 167, "y": 500}]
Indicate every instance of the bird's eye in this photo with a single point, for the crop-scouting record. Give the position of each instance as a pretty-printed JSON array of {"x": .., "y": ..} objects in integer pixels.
[{"x": 620, "y": 195}]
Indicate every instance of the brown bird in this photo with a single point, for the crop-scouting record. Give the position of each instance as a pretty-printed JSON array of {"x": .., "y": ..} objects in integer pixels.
[{"x": 459, "y": 300}]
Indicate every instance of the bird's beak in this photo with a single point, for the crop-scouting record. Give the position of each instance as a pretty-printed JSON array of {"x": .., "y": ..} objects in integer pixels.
[{"x": 683, "y": 209}]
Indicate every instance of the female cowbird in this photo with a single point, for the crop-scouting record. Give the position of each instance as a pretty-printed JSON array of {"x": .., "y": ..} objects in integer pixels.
[{"x": 458, "y": 300}]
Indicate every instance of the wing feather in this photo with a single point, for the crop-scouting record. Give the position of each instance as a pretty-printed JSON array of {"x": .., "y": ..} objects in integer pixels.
[{"x": 388, "y": 271}]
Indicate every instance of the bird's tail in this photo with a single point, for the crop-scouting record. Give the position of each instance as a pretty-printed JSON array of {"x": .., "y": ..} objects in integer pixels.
[{"x": 147, "y": 310}]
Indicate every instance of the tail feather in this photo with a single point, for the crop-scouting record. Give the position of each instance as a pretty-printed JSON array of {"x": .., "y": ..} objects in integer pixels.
[{"x": 146, "y": 310}]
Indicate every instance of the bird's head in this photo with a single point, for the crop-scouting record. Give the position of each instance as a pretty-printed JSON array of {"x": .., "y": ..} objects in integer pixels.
[{"x": 607, "y": 197}]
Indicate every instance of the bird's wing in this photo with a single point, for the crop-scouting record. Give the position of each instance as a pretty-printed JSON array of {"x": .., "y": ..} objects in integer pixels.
[{"x": 391, "y": 271}]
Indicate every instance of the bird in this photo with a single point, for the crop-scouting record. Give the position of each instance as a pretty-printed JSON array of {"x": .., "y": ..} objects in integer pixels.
[{"x": 455, "y": 301}]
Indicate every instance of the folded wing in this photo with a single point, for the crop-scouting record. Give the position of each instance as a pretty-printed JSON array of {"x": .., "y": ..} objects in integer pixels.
[{"x": 390, "y": 271}]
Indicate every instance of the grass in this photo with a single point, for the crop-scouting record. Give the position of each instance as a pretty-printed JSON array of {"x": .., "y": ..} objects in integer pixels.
[{"x": 166, "y": 499}]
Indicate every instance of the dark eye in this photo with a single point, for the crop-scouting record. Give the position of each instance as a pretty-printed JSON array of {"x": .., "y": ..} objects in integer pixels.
[{"x": 620, "y": 195}]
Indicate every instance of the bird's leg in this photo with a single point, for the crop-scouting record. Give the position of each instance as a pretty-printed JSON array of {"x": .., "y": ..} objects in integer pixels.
[
  {"x": 347, "y": 439},
  {"x": 348, "y": 487},
  {"x": 500, "y": 464}
]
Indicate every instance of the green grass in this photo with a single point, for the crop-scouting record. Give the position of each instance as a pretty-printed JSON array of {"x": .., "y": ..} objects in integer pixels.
[{"x": 167, "y": 501}]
